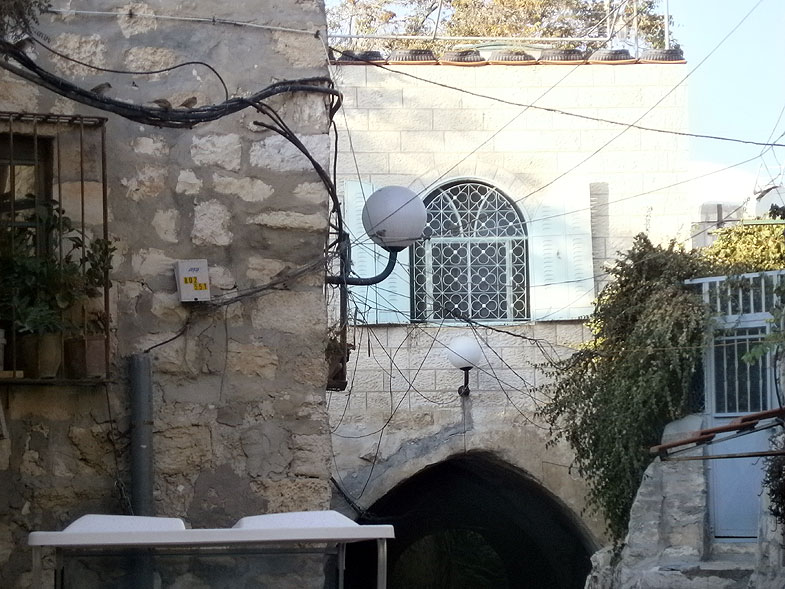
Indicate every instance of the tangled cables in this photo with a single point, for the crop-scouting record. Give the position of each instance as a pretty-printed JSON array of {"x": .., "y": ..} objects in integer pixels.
[{"x": 179, "y": 118}]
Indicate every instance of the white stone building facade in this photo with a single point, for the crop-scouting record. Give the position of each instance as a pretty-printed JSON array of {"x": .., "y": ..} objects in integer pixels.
[{"x": 555, "y": 142}]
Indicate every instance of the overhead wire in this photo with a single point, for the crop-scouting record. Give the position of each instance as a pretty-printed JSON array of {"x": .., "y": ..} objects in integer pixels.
[
  {"x": 213, "y": 20},
  {"x": 393, "y": 411},
  {"x": 434, "y": 340},
  {"x": 500, "y": 382},
  {"x": 134, "y": 72},
  {"x": 280, "y": 127},
  {"x": 651, "y": 108},
  {"x": 533, "y": 106},
  {"x": 357, "y": 239},
  {"x": 380, "y": 288},
  {"x": 597, "y": 151}
]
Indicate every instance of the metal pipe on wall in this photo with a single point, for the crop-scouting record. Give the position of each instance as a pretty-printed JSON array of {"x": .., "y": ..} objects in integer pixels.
[
  {"x": 142, "y": 435},
  {"x": 142, "y": 459},
  {"x": 667, "y": 25}
]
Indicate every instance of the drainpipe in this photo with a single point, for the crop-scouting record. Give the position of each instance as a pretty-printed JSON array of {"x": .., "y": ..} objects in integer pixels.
[
  {"x": 142, "y": 435},
  {"x": 142, "y": 459}
]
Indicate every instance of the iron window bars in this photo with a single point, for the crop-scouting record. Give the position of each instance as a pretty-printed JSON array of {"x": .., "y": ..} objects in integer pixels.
[
  {"x": 53, "y": 196},
  {"x": 742, "y": 307},
  {"x": 474, "y": 262}
]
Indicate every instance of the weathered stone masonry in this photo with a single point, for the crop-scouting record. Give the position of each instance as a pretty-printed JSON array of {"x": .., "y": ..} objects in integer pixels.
[{"x": 240, "y": 422}]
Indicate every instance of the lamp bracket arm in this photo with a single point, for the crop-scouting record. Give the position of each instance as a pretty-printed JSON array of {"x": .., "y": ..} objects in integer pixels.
[{"x": 358, "y": 281}]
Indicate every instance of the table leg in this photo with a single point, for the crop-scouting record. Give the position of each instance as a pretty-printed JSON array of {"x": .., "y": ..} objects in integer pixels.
[
  {"x": 37, "y": 567},
  {"x": 341, "y": 564},
  {"x": 381, "y": 563}
]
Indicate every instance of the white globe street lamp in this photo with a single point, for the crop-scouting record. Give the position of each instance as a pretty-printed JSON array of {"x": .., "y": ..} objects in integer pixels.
[
  {"x": 465, "y": 353},
  {"x": 394, "y": 218}
]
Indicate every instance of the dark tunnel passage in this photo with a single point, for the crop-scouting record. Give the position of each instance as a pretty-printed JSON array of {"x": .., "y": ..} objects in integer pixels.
[{"x": 473, "y": 522}]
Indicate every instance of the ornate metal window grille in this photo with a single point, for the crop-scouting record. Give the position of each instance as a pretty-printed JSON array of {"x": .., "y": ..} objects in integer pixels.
[{"x": 474, "y": 262}]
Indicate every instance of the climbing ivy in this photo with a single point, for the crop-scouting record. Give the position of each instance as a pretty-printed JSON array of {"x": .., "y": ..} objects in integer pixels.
[
  {"x": 774, "y": 481},
  {"x": 612, "y": 399}
]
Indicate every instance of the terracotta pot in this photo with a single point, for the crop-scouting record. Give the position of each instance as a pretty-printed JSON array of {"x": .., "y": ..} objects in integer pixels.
[
  {"x": 85, "y": 357},
  {"x": 41, "y": 355}
]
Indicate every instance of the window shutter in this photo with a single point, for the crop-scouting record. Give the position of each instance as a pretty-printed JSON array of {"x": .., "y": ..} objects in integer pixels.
[
  {"x": 560, "y": 253},
  {"x": 388, "y": 301}
]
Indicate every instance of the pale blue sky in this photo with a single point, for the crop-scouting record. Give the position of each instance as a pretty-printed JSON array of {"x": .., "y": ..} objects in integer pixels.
[{"x": 740, "y": 90}]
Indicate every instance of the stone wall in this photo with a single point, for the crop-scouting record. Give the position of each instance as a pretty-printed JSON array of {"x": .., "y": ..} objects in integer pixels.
[
  {"x": 417, "y": 132},
  {"x": 669, "y": 544},
  {"x": 240, "y": 424},
  {"x": 769, "y": 557},
  {"x": 406, "y": 131}
]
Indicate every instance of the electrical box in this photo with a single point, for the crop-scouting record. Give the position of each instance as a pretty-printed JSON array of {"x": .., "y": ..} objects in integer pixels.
[{"x": 193, "y": 280}]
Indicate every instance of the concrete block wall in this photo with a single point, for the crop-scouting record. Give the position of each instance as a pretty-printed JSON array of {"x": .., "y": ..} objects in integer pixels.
[
  {"x": 240, "y": 423},
  {"x": 420, "y": 132}
]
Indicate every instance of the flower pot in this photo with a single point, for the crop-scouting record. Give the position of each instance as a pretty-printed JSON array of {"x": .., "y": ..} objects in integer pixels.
[
  {"x": 41, "y": 354},
  {"x": 85, "y": 357}
]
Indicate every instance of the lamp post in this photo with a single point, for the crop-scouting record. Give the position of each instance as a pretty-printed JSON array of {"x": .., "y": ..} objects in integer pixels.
[
  {"x": 465, "y": 353},
  {"x": 394, "y": 217}
]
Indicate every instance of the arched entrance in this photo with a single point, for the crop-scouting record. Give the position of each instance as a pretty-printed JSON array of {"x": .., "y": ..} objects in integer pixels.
[{"x": 473, "y": 521}]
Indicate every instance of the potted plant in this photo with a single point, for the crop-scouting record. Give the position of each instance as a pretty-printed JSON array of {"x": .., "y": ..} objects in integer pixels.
[
  {"x": 85, "y": 352},
  {"x": 48, "y": 271},
  {"x": 40, "y": 343}
]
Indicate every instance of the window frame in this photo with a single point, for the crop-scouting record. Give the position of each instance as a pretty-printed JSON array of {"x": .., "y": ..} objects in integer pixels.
[{"x": 425, "y": 293}]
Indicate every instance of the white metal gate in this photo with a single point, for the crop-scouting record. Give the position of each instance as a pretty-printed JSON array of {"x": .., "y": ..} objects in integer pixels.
[{"x": 735, "y": 387}]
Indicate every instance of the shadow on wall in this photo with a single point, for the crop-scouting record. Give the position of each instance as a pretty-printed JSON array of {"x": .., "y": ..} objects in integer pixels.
[{"x": 474, "y": 521}]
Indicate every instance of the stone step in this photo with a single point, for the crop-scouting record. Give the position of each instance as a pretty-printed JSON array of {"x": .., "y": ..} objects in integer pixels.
[
  {"x": 717, "y": 574},
  {"x": 733, "y": 551}
]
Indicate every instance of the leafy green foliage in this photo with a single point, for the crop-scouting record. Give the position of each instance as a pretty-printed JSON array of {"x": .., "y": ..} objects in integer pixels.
[
  {"x": 500, "y": 18},
  {"x": 611, "y": 400},
  {"x": 748, "y": 248},
  {"x": 774, "y": 481},
  {"x": 18, "y": 16},
  {"x": 41, "y": 279}
]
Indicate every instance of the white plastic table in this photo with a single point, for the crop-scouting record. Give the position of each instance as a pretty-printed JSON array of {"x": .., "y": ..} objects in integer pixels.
[{"x": 118, "y": 531}]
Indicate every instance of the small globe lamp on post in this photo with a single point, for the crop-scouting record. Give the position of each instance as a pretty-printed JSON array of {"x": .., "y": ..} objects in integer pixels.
[{"x": 465, "y": 353}]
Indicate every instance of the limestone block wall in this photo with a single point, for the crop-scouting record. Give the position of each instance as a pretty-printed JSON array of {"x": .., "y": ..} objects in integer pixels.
[
  {"x": 240, "y": 424},
  {"x": 402, "y": 385},
  {"x": 421, "y": 132}
]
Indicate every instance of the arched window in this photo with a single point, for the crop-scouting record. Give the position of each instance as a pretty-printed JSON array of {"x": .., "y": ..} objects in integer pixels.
[{"x": 474, "y": 262}]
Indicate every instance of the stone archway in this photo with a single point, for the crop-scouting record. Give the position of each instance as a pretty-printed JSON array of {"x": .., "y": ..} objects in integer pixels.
[{"x": 473, "y": 521}]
